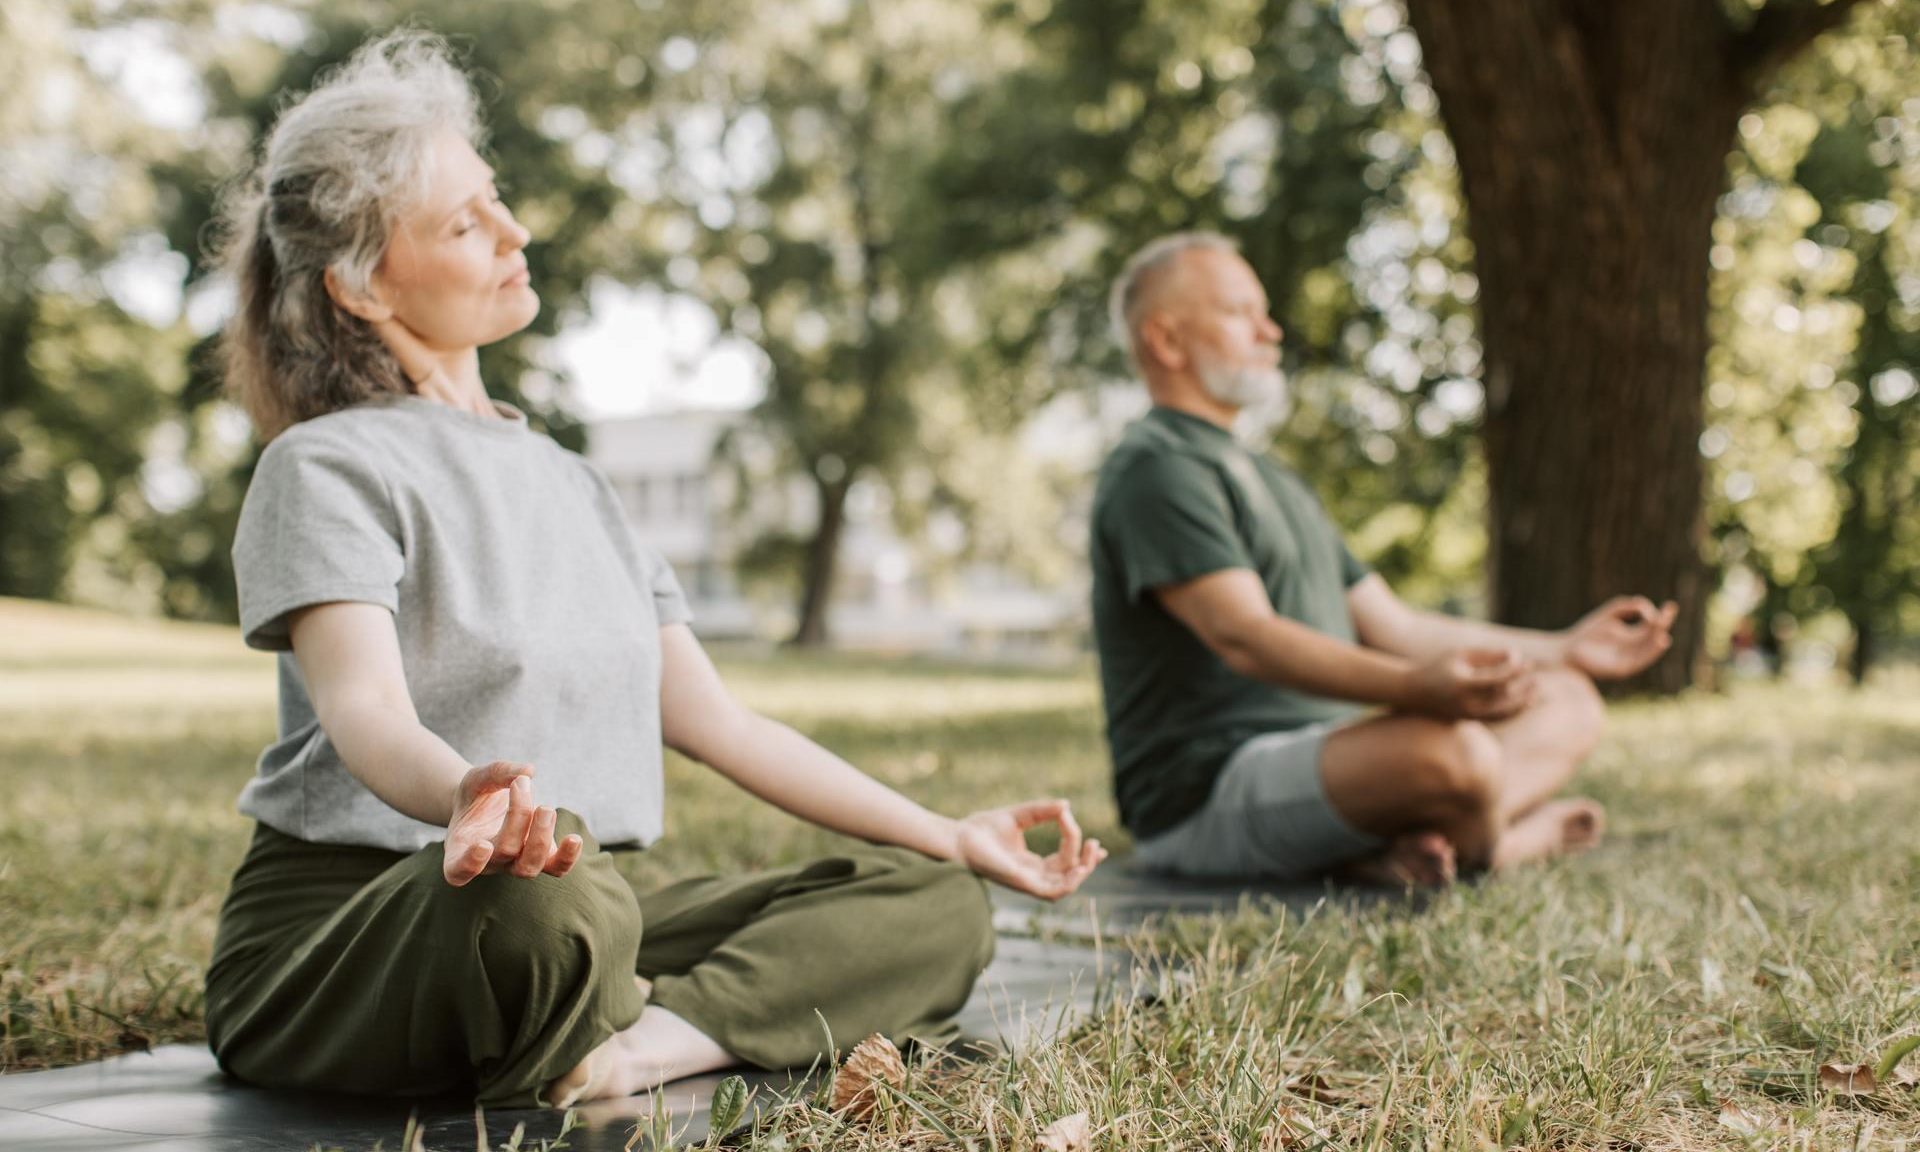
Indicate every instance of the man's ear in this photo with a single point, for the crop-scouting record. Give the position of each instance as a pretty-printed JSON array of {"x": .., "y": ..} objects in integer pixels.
[
  {"x": 366, "y": 306},
  {"x": 1158, "y": 341}
]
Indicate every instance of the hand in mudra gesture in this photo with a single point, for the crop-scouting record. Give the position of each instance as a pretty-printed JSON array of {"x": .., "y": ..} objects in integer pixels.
[
  {"x": 994, "y": 844},
  {"x": 1621, "y": 637},
  {"x": 496, "y": 827}
]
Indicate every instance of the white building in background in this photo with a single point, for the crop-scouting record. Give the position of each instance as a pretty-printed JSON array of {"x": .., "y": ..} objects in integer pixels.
[{"x": 675, "y": 474}]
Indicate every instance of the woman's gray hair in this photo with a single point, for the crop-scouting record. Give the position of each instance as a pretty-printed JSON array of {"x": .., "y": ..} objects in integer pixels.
[
  {"x": 338, "y": 167},
  {"x": 1133, "y": 289}
]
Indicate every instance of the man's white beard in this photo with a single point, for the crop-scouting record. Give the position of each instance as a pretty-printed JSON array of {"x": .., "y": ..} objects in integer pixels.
[{"x": 1243, "y": 387}]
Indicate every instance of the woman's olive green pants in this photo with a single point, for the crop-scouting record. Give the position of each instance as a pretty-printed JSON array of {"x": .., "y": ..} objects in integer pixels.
[{"x": 361, "y": 970}]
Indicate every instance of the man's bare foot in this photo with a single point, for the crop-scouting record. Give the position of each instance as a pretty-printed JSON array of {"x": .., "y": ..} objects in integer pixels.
[
  {"x": 1556, "y": 828},
  {"x": 1416, "y": 860}
]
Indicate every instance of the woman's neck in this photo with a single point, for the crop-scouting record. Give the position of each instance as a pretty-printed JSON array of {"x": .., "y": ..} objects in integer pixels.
[{"x": 457, "y": 384}]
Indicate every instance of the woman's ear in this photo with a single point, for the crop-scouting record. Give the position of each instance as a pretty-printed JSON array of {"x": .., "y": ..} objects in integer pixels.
[{"x": 366, "y": 306}]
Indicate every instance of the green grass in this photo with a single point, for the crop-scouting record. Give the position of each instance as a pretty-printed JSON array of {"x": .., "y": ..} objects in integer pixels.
[{"x": 1755, "y": 913}]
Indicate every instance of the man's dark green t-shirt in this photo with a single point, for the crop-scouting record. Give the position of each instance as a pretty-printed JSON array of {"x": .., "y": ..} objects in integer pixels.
[{"x": 1178, "y": 499}]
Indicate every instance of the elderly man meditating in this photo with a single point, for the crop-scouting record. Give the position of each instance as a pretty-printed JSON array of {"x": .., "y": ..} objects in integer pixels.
[{"x": 1237, "y": 633}]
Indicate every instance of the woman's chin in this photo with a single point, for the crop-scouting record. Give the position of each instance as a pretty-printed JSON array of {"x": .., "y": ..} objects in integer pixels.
[{"x": 515, "y": 316}]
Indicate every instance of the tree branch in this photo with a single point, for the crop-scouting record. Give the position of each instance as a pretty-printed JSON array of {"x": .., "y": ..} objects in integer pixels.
[{"x": 1778, "y": 33}]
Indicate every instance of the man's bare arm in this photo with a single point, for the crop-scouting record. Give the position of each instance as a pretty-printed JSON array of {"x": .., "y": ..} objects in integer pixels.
[
  {"x": 1230, "y": 613},
  {"x": 1384, "y": 622},
  {"x": 1614, "y": 641}
]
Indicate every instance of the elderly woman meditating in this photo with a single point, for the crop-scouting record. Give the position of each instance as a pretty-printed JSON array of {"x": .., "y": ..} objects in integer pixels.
[{"x": 479, "y": 665}]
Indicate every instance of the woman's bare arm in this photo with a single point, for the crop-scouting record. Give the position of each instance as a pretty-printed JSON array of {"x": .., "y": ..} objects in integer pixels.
[
  {"x": 349, "y": 656},
  {"x": 700, "y": 717}
]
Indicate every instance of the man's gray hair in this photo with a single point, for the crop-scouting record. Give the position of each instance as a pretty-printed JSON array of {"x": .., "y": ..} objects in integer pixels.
[
  {"x": 1129, "y": 291},
  {"x": 339, "y": 166}
]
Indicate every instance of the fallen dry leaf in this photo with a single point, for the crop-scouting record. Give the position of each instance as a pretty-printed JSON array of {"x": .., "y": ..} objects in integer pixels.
[
  {"x": 874, "y": 1059},
  {"x": 1848, "y": 1079},
  {"x": 1072, "y": 1133},
  {"x": 1317, "y": 1088},
  {"x": 1739, "y": 1119}
]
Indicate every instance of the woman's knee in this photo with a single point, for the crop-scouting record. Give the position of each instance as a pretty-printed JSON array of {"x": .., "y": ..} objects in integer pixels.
[
  {"x": 512, "y": 921},
  {"x": 945, "y": 916}
]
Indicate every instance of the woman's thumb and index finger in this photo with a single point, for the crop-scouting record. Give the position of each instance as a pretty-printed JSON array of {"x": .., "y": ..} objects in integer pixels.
[{"x": 485, "y": 778}]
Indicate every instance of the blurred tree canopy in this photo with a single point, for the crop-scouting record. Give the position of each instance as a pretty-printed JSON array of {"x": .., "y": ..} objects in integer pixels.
[
  {"x": 913, "y": 211},
  {"x": 1813, "y": 415}
]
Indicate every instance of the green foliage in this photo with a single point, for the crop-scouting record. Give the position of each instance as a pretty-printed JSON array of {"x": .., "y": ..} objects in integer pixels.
[
  {"x": 83, "y": 381},
  {"x": 913, "y": 211},
  {"x": 1815, "y": 423},
  {"x": 1303, "y": 129}
]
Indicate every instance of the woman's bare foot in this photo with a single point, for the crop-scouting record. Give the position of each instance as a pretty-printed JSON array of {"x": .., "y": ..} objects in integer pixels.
[
  {"x": 1416, "y": 860},
  {"x": 592, "y": 1078},
  {"x": 655, "y": 1049},
  {"x": 1556, "y": 828},
  {"x": 587, "y": 1080}
]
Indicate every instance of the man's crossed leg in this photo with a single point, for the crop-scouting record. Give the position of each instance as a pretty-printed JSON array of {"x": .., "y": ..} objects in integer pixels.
[{"x": 1451, "y": 795}]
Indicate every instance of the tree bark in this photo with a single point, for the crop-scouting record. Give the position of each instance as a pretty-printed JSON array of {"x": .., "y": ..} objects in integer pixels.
[
  {"x": 1860, "y": 660},
  {"x": 823, "y": 562},
  {"x": 1592, "y": 142}
]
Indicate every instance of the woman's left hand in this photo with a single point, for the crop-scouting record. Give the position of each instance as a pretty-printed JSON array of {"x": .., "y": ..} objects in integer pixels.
[{"x": 994, "y": 844}]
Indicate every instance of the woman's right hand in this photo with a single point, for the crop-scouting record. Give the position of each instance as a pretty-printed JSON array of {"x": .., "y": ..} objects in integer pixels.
[{"x": 497, "y": 827}]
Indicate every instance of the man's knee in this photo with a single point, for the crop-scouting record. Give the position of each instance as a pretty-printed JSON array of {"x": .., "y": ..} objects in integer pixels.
[
  {"x": 1576, "y": 704},
  {"x": 1460, "y": 766}
]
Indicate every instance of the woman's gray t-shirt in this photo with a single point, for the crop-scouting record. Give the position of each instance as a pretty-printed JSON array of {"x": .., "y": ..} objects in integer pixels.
[{"x": 528, "y": 615}]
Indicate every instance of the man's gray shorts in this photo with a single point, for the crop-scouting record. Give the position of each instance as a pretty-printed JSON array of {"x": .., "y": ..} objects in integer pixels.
[{"x": 1268, "y": 816}]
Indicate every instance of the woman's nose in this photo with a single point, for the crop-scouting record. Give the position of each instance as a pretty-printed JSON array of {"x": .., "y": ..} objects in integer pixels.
[{"x": 513, "y": 236}]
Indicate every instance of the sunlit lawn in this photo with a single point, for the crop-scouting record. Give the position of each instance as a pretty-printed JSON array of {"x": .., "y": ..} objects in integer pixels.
[{"x": 1755, "y": 914}]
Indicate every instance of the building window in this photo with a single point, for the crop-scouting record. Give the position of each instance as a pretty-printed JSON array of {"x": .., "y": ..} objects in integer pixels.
[
  {"x": 689, "y": 498},
  {"x": 633, "y": 493}
]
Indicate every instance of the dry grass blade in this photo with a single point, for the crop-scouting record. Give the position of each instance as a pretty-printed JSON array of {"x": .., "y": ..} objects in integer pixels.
[{"x": 1288, "y": 1129}]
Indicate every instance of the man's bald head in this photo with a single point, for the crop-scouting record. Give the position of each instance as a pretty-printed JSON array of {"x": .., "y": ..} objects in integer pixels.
[{"x": 1148, "y": 279}]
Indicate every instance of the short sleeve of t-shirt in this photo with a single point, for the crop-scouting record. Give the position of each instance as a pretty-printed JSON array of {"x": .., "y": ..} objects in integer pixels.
[
  {"x": 1167, "y": 521},
  {"x": 1352, "y": 568},
  {"x": 317, "y": 526},
  {"x": 669, "y": 602}
]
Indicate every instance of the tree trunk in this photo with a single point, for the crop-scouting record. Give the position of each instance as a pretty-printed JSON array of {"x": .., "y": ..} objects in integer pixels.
[
  {"x": 1860, "y": 660},
  {"x": 823, "y": 562},
  {"x": 1592, "y": 142}
]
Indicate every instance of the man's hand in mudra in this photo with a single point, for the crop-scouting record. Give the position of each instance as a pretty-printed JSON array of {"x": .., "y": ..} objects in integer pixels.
[
  {"x": 1621, "y": 637},
  {"x": 496, "y": 827}
]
